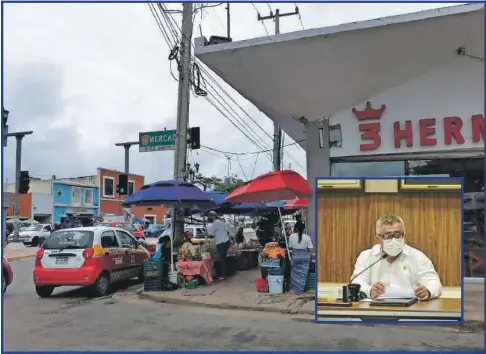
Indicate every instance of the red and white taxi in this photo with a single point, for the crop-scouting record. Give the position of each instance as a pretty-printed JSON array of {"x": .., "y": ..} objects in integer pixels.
[{"x": 88, "y": 256}]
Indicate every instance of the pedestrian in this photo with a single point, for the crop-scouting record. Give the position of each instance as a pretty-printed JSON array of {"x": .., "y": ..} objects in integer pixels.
[
  {"x": 301, "y": 245},
  {"x": 219, "y": 230}
]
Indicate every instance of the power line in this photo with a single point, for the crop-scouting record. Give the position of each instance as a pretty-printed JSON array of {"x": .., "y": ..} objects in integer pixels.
[
  {"x": 237, "y": 121},
  {"x": 263, "y": 23},
  {"x": 246, "y": 153},
  {"x": 240, "y": 121}
]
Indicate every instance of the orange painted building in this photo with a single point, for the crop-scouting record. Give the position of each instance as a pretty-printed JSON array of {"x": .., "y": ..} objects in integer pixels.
[
  {"x": 25, "y": 206},
  {"x": 110, "y": 201}
]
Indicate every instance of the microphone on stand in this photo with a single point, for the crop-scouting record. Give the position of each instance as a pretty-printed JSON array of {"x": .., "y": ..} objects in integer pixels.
[{"x": 351, "y": 292}]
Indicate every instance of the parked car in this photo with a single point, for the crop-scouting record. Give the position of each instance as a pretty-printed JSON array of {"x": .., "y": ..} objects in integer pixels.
[
  {"x": 154, "y": 230},
  {"x": 126, "y": 226},
  {"x": 95, "y": 257},
  {"x": 33, "y": 234},
  {"x": 7, "y": 274}
]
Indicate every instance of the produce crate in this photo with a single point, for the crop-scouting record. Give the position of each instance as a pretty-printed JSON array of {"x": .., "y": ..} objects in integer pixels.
[
  {"x": 152, "y": 284},
  {"x": 153, "y": 269}
]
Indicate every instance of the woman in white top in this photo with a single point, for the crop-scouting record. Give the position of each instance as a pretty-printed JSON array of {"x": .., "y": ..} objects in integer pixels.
[{"x": 301, "y": 245}]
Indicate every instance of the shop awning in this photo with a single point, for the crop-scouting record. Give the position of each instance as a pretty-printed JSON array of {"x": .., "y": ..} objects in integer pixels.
[{"x": 320, "y": 72}]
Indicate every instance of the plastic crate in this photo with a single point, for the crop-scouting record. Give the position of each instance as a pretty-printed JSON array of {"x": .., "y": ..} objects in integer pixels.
[
  {"x": 152, "y": 269},
  {"x": 152, "y": 284}
]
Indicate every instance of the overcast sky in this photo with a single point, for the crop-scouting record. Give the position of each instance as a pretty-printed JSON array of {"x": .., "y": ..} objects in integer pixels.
[{"x": 85, "y": 76}]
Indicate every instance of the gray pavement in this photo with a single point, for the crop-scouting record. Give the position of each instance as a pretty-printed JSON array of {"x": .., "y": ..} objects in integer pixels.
[{"x": 70, "y": 321}]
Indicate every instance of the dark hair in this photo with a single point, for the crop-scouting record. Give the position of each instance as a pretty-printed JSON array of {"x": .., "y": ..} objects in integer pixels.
[{"x": 299, "y": 228}]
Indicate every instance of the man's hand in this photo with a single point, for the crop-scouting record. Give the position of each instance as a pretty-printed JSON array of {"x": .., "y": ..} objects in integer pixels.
[
  {"x": 422, "y": 293},
  {"x": 377, "y": 289}
]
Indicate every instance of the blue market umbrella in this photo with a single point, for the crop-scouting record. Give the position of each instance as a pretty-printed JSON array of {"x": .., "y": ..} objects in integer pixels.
[
  {"x": 246, "y": 208},
  {"x": 170, "y": 193},
  {"x": 216, "y": 197},
  {"x": 278, "y": 204}
]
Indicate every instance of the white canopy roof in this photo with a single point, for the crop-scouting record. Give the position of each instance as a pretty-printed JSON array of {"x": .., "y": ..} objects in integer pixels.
[{"x": 320, "y": 72}]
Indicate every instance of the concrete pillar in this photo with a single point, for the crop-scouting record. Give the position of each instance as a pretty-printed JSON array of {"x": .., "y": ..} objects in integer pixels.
[{"x": 318, "y": 164}]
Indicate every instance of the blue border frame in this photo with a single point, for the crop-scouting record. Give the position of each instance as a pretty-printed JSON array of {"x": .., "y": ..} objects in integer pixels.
[
  {"x": 399, "y": 178},
  {"x": 169, "y": 1}
]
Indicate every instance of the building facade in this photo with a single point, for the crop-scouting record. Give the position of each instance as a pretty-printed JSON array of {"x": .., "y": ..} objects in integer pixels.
[
  {"x": 71, "y": 199},
  {"x": 418, "y": 110}
]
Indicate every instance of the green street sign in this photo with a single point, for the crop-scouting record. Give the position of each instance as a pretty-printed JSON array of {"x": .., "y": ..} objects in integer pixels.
[{"x": 157, "y": 141}]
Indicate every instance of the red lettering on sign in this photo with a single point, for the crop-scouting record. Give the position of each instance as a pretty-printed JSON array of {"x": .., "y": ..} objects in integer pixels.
[
  {"x": 370, "y": 131},
  {"x": 452, "y": 129},
  {"x": 400, "y": 134},
  {"x": 477, "y": 128},
  {"x": 427, "y": 131}
]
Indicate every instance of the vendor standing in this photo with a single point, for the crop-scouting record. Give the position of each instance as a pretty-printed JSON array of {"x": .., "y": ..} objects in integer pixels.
[
  {"x": 219, "y": 230},
  {"x": 301, "y": 245}
]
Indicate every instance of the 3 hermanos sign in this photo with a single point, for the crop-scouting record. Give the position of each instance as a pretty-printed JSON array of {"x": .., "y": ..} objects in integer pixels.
[
  {"x": 157, "y": 141},
  {"x": 451, "y": 129}
]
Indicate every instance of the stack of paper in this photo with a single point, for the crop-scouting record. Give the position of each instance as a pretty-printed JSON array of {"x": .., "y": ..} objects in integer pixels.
[{"x": 397, "y": 293}]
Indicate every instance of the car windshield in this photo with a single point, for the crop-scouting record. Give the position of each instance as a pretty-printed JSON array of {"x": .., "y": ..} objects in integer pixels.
[
  {"x": 69, "y": 239},
  {"x": 33, "y": 228}
]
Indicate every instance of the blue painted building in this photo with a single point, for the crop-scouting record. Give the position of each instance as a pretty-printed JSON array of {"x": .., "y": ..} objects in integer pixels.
[{"x": 74, "y": 199}]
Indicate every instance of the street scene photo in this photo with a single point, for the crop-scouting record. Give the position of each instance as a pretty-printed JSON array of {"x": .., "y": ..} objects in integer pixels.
[{"x": 242, "y": 177}]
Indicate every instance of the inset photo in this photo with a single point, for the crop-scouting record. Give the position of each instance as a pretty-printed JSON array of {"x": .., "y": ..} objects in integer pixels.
[{"x": 389, "y": 249}]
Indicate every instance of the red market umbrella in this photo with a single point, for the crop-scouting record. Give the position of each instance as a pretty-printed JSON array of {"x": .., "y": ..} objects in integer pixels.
[
  {"x": 297, "y": 203},
  {"x": 270, "y": 187}
]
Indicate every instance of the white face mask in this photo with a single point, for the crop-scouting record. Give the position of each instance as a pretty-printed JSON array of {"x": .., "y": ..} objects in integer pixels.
[{"x": 393, "y": 247}]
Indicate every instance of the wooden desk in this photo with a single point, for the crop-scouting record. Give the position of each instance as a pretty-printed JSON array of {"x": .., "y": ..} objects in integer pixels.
[{"x": 442, "y": 309}]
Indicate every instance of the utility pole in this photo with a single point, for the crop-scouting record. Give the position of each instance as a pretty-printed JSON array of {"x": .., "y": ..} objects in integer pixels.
[
  {"x": 18, "y": 166},
  {"x": 127, "y": 145},
  {"x": 277, "y": 132},
  {"x": 180, "y": 152},
  {"x": 228, "y": 20}
]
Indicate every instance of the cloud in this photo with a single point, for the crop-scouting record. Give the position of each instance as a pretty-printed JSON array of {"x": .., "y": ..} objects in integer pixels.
[{"x": 86, "y": 76}]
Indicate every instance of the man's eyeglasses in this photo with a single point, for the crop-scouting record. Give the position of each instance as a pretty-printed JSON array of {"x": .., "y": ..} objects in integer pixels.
[{"x": 391, "y": 236}]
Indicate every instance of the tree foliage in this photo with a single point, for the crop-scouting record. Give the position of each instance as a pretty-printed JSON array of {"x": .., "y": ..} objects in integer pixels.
[{"x": 225, "y": 184}]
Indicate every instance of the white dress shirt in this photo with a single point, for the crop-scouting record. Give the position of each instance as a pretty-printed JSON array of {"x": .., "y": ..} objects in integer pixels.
[
  {"x": 219, "y": 230},
  {"x": 410, "y": 270}
]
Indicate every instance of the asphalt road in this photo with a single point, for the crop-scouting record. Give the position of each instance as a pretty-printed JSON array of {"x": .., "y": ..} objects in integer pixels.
[{"x": 70, "y": 321}]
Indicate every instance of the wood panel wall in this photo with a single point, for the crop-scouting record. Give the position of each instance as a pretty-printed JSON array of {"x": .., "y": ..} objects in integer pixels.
[{"x": 347, "y": 224}]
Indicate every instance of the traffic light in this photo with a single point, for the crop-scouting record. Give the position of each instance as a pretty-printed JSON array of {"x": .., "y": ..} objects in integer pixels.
[
  {"x": 24, "y": 182},
  {"x": 194, "y": 138},
  {"x": 122, "y": 186}
]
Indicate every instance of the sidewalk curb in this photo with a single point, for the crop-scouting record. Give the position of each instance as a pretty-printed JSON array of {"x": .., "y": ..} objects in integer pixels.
[
  {"x": 223, "y": 306},
  {"x": 186, "y": 302},
  {"x": 16, "y": 258}
]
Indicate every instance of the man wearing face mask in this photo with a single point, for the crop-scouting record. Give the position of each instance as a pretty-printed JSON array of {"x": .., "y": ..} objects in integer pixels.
[{"x": 401, "y": 266}]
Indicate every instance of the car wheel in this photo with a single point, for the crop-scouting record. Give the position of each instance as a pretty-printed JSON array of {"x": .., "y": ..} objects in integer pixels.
[
  {"x": 35, "y": 242},
  {"x": 101, "y": 286},
  {"x": 44, "y": 291}
]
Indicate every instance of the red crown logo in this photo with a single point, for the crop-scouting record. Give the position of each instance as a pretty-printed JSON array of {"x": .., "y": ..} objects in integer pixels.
[{"x": 369, "y": 113}]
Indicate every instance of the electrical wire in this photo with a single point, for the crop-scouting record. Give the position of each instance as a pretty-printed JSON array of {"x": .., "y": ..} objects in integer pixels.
[
  {"x": 263, "y": 23},
  {"x": 241, "y": 167},
  {"x": 241, "y": 122},
  {"x": 245, "y": 153},
  {"x": 196, "y": 81},
  {"x": 300, "y": 17}
]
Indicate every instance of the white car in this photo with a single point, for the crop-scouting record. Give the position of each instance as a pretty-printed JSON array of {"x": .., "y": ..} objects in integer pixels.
[{"x": 33, "y": 234}]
